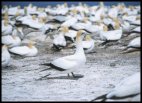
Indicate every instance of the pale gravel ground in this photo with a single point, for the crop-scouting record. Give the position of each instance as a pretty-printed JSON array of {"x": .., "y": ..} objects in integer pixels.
[{"x": 103, "y": 70}]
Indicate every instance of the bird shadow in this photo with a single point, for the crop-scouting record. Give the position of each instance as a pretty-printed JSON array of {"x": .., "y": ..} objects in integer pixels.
[{"x": 77, "y": 76}]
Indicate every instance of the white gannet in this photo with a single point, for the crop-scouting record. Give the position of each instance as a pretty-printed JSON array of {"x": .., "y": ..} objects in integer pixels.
[
  {"x": 113, "y": 35},
  {"x": 11, "y": 40},
  {"x": 26, "y": 51},
  {"x": 113, "y": 12},
  {"x": 6, "y": 28},
  {"x": 5, "y": 56},
  {"x": 128, "y": 87},
  {"x": 59, "y": 40},
  {"x": 136, "y": 30},
  {"x": 69, "y": 35},
  {"x": 60, "y": 18},
  {"x": 88, "y": 44},
  {"x": 133, "y": 45},
  {"x": 72, "y": 62},
  {"x": 69, "y": 22}
]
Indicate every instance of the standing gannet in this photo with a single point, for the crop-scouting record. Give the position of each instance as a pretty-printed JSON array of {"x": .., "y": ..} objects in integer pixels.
[
  {"x": 11, "y": 40},
  {"x": 88, "y": 44},
  {"x": 59, "y": 40},
  {"x": 29, "y": 50},
  {"x": 128, "y": 87},
  {"x": 6, "y": 28},
  {"x": 69, "y": 35},
  {"x": 5, "y": 56},
  {"x": 72, "y": 62}
]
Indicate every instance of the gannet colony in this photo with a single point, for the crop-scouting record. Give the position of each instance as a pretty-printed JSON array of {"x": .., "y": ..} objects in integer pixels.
[{"x": 71, "y": 53}]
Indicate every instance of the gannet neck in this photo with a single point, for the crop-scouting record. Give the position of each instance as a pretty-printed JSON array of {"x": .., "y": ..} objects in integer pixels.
[
  {"x": 5, "y": 22},
  {"x": 4, "y": 48},
  {"x": 30, "y": 45},
  {"x": 79, "y": 47}
]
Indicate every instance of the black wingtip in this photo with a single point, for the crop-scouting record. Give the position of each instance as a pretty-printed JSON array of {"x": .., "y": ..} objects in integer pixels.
[
  {"x": 103, "y": 97},
  {"x": 47, "y": 64}
]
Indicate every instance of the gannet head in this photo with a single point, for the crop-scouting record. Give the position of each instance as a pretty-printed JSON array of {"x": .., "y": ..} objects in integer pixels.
[
  {"x": 131, "y": 8},
  {"x": 34, "y": 17},
  {"x": 64, "y": 29},
  {"x": 125, "y": 14},
  {"x": 79, "y": 33},
  {"x": 105, "y": 28},
  {"x": 25, "y": 10},
  {"x": 4, "y": 47},
  {"x": 30, "y": 44},
  {"x": 102, "y": 17},
  {"x": 88, "y": 37},
  {"x": 138, "y": 18},
  {"x": 31, "y": 5},
  {"x": 6, "y": 14},
  {"x": 14, "y": 37},
  {"x": 117, "y": 25},
  {"x": 74, "y": 11},
  {"x": 17, "y": 13},
  {"x": 19, "y": 7},
  {"x": 65, "y": 4},
  {"x": 85, "y": 19},
  {"x": 101, "y": 4},
  {"x": 113, "y": 6},
  {"x": 42, "y": 19}
]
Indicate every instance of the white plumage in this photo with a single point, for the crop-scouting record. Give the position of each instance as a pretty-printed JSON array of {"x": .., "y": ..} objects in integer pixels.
[
  {"x": 69, "y": 22},
  {"x": 111, "y": 35},
  {"x": 11, "y": 40},
  {"x": 6, "y": 28},
  {"x": 128, "y": 87},
  {"x": 135, "y": 43},
  {"x": 29, "y": 50},
  {"x": 5, "y": 56},
  {"x": 72, "y": 62}
]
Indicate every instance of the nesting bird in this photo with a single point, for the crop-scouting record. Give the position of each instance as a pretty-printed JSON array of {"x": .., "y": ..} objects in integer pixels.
[
  {"x": 25, "y": 51},
  {"x": 128, "y": 87},
  {"x": 11, "y": 40},
  {"x": 133, "y": 45},
  {"x": 5, "y": 56}
]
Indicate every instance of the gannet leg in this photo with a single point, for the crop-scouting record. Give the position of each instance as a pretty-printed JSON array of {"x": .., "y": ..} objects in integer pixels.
[
  {"x": 73, "y": 75},
  {"x": 68, "y": 75},
  {"x": 102, "y": 44}
]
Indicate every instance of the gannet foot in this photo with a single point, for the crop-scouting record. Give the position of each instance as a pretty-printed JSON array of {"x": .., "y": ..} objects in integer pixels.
[
  {"x": 76, "y": 76},
  {"x": 44, "y": 77}
]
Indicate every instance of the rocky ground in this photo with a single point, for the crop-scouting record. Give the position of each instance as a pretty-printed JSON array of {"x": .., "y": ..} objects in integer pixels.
[{"x": 103, "y": 70}]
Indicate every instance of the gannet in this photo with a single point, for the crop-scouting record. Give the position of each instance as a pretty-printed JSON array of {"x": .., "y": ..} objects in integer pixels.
[
  {"x": 59, "y": 41},
  {"x": 72, "y": 62},
  {"x": 6, "y": 28},
  {"x": 69, "y": 35},
  {"x": 5, "y": 56},
  {"x": 26, "y": 51},
  {"x": 136, "y": 30},
  {"x": 88, "y": 44},
  {"x": 113, "y": 12},
  {"x": 128, "y": 87},
  {"x": 133, "y": 45},
  {"x": 11, "y": 40},
  {"x": 69, "y": 22},
  {"x": 113, "y": 35}
]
